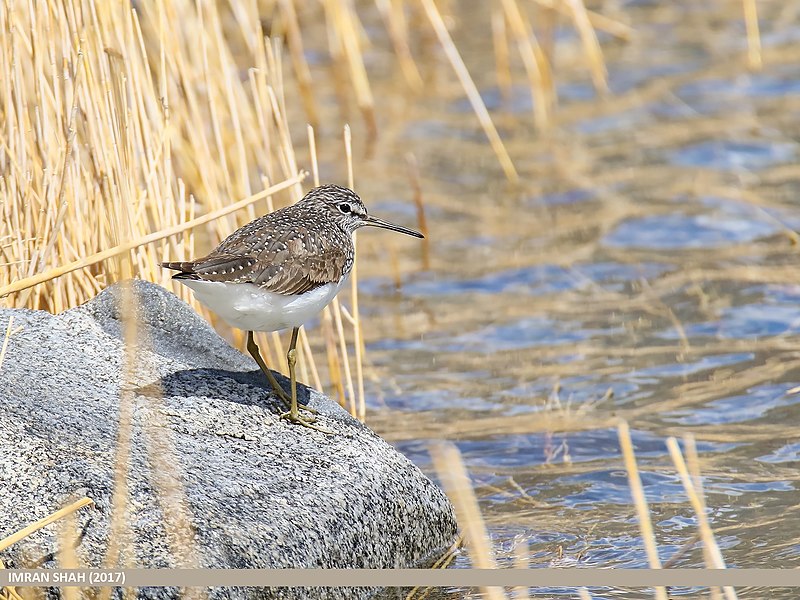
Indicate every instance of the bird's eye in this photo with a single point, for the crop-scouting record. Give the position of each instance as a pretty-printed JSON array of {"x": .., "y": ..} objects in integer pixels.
[{"x": 345, "y": 208}]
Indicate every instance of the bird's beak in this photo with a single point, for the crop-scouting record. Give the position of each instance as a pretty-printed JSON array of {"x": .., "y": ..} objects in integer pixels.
[{"x": 371, "y": 221}]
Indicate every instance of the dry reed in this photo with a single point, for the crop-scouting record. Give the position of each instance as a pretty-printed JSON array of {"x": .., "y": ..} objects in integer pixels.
[
  {"x": 67, "y": 556},
  {"x": 9, "y": 592},
  {"x": 754, "y": 60},
  {"x": 393, "y": 14},
  {"x": 7, "y": 337},
  {"x": 639, "y": 500},
  {"x": 15, "y": 537},
  {"x": 502, "y": 59},
  {"x": 594, "y": 53},
  {"x": 120, "y": 540},
  {"x": 299, "y": 63},
  {"x": 422, "y": 220},
  {"x": 597, "y": 20},
  {"x": 343, "y": 19},
  {"x": 329, "y": 335},
  {"x": 521, "y": 561},
  {"x": 471, "y": 90},
  {"x": 358, "y": 340},
  {"x": 455, "y": 480},
  {"x": 713, "y": 553},
  {"x": 536, "y": 65}
]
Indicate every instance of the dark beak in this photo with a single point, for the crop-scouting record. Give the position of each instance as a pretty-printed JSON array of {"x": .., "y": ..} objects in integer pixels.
[{"x": 371, "y": 221}]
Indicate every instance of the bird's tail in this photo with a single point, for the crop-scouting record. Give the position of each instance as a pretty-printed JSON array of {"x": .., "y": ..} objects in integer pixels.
[{"x": 185, "y": 269}]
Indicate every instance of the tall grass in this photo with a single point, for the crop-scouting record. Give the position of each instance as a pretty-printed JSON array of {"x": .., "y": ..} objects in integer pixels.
[{"x": 121, "y": 139}]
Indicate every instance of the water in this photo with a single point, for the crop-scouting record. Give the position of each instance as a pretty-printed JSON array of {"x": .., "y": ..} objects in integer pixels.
[{"x": 642, "y": 270}]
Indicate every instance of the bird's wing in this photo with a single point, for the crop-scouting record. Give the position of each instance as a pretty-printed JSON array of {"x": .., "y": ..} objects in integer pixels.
[
  {"x": 293, "y": 270},
  {"x": 302, "y": 271}
]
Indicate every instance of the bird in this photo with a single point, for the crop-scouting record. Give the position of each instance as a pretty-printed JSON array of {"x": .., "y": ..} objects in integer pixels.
[{"x": 279, "y": 270}]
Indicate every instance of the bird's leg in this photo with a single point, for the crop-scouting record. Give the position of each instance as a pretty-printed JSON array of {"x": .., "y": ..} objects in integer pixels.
[
  {"x": 293, "y": 415},
  {"x": 252, "y": 348}
]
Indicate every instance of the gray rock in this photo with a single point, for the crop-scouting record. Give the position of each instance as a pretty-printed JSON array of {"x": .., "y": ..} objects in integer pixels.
[{"x": 206, "y": 442}]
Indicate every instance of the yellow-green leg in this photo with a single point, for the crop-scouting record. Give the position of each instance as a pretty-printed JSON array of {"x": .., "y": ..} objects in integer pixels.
[
  {"x": 293, "y": 415},
  {"x": 252, "y": 348}
]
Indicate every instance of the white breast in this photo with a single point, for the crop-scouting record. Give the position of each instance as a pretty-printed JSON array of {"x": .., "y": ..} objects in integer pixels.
[{"x": 248, "y": 307}]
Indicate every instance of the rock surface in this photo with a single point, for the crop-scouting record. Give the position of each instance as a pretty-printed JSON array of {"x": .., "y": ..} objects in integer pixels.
[{"x": 216, "y": 479}]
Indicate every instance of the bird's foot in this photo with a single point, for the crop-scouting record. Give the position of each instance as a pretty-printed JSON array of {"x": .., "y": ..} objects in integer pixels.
[
  {"x": 297, "y": 419},
  {"x": 287, "y": 401}
]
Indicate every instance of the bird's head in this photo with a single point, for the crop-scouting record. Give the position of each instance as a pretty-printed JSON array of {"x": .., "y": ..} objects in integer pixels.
[{"x": 347, "y": 209}]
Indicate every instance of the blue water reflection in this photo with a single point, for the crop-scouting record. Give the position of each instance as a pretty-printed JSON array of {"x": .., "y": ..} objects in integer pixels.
[
  {"x": 731, "y": 155},
  {"x": 678, "y": 231}
]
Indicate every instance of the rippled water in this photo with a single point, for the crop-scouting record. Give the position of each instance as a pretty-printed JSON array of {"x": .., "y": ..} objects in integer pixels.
[{"x": 646, "y": 252}]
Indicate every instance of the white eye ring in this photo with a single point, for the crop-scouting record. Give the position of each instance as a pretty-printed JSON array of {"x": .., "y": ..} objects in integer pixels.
[{"x": 345, "y": 208}]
